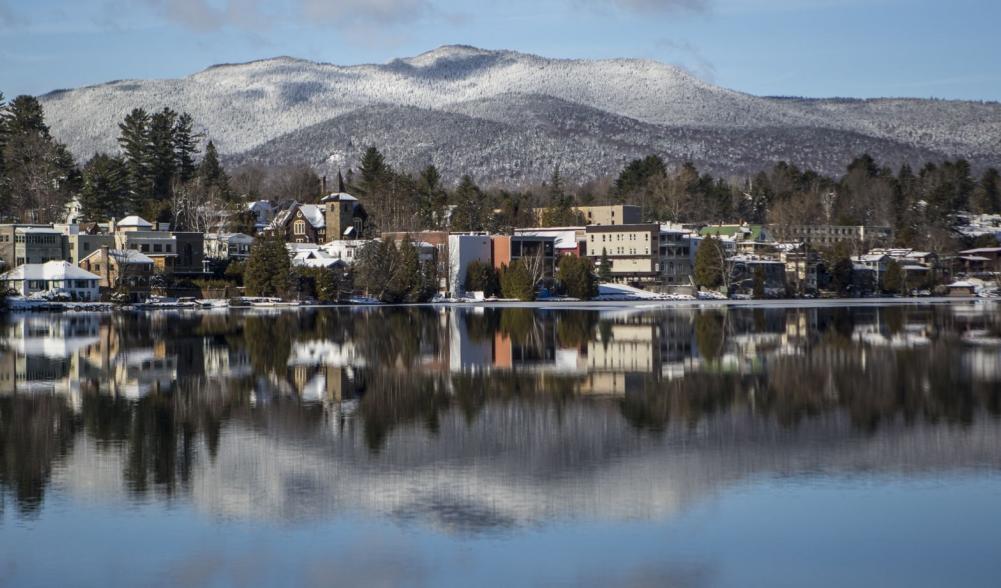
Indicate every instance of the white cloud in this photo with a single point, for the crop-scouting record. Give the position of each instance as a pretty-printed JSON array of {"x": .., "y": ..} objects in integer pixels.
[
  {"x": 653, "y": 6},
  {"x": 366, "y": 11}
]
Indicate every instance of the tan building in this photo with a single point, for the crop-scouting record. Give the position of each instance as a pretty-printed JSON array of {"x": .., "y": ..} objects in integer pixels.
[
  {"x": 633, "y": 250},
  {"x": 121, "y": 267},
  {"x": 610, "y": 214}
]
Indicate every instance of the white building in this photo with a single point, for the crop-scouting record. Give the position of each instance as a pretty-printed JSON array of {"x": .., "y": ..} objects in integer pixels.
[
  {"x": 462, "y": 251},
  {"x": 56, "y": 276}
]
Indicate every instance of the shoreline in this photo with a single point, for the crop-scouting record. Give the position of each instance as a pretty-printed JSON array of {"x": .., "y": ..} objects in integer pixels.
[{"x": 557, "y": 305}]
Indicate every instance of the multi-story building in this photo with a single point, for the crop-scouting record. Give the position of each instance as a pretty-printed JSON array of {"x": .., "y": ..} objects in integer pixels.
[
  {"x": 340, "y": 219},
  {"x": 677, "y": 256},
  {"x": 300, "y": 223},
  {"x": 633, "y": 250},
  {"x": 21, "y": 244},
  {"x": 829, "y": 235},
  {"x": 138, "y": 234},
  {"x": 462, "y": 251},
  {"x": 610, "y": 214},
  {"x": 81, "y": 243},
  {"x": 536, "y": 252},
  {"x": 190, "y": 252}
]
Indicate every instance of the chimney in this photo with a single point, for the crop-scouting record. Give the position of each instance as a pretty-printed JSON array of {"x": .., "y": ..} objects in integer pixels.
[
  {"x": 106, "y": 264},
  {"x": 323, "y": 186},
  {"x": 112, "y": 226}
]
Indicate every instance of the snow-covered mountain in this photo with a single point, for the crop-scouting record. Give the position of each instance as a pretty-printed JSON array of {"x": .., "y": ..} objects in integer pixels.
[{"x": 507, "y": 116}]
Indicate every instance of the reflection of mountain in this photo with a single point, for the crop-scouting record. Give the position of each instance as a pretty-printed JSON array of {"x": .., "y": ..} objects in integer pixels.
[
  {"x": 488, "y": 418},
  {"x": 523, "y": 464}
]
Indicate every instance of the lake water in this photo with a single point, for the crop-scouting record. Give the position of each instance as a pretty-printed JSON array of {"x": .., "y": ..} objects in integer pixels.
[{"x": 830, "y": 446}]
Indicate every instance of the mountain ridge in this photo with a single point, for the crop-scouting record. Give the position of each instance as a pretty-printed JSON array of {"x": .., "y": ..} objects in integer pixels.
[{"x": 246, "y": 106}]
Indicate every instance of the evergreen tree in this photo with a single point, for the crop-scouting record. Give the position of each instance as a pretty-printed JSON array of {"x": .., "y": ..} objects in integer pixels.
[
  {"x": 560, "y": 211},
  {"x": 893, "y": 278},
  {"x": 577, "y": 277},
  {"x": 709, "y": 264},
  {"x": 605, "y": 267},
  {"x": 162, "y": 157},
  {"x": 405, "y": 284},
  {"x": 104, "y": 191},
  {"x": 39, "y": 175},
  {"x": 4, "y": 184},
  {"x": 185, "y": 144},
  {"x": 269, "y": 269},
  {"x": 431, "y": 198},
  {"x": 134, "y": 139},
  {"x": 758, "y": 284},
  {"x": 468, "y": 212},
  {"x": 482, "y": 277},
  {"x": 211, "y": 175},
  {"x": 986, "y": 197},
  {"x": 516, "y": 282}
]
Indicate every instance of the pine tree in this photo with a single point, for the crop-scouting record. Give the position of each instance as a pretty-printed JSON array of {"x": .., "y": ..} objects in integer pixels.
[
  {"x": 162, "y": 157},
  {"x": 987, "y": 194},
  {"x": 134, "y": 140},
  {"x": 431, "y": 198},
  {"x": 893, "y": 278},
  {"x": 468, "y": 212},
  {"x": 605, "y": 269},
  {"x": 211, "y": 175},
  {"x": 560, "y": 211},
  {"x": 516, "y": 282},
  {"x": 104, "y": 192},
  {"x": 709, "y": 264},
  {"x": 185, "y": 145},
  {"x": 269, "y": 269},
  {"x": 577, "y": 277},
  {"x": 4, "y": 184},
  {"x": 482, "y": 277}
]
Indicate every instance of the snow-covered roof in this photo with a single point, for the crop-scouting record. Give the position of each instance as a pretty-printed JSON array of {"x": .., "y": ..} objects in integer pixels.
[
  {"x": 134, "y": 221},
  {"x": 974, "y": 258},
  {"x": 871, "y": 257},
  {"x": 962, "y": 284},
  {"x": 130, "y": 256},
  {"x": 37, "y": 230},
  {"x": 981, "y": 250},
  {"x": 229, "y": 237},
  {"x": 50, "y": 270},
  {"x": 565, "y": 239},
  {"x": 339, "y": 197}
]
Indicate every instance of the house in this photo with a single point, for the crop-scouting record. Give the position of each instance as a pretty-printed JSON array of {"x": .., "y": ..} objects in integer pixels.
[
  {"x": 315, "y": 257},
  {"x": 345, "y": 250},
  {"x": 982, "y": 259},
  {"x": 264, "y": 213},
  {"x": 138, "y": 234},
  {"x": 877, "y": 263},
  {"x": 121, "y": 268},
  {"x": 962, "y": 289},
  {"x": 745, "y": 269},
  {"x": 228, "y": 246},
  {"x": 300, "y": 223},
  {"x": 633, "y": 250},
  {"x": 59, "y": 276}
]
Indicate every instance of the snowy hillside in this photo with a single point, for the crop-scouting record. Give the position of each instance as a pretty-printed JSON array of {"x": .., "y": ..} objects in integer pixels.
[{"x": 520, "y": 113}]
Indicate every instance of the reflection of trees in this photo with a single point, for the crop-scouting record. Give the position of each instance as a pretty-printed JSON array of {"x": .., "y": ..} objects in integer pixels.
[
  {"x": 269, "y": 341},
  {"x": 394, "y": 399},
  {"x": 684, "y": 402},
  {"x": 575, "y": 328},
  {"x": 35, "y": 431},
  {"x": 709, "y": 333}
]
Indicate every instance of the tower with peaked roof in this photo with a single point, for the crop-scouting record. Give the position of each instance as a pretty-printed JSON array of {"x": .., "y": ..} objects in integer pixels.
[{"x": 340, "y": 216}]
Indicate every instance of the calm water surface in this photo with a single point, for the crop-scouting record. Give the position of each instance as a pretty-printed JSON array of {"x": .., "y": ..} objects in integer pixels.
[{"x": 851, "y": 446}]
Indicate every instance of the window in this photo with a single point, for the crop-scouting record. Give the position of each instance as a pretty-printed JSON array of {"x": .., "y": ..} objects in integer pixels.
[
  {"x": 157, "y": 248},
  {"x": 299, "y": 227},
  {"x": 144, "y": 247}
]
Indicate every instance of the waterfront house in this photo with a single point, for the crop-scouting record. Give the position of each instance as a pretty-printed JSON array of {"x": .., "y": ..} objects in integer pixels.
[
  {"x": 55, "y": 276},
  {"x": 632, "y": 250},
  {"x": 121, "y": 268},
  {"x": 228, "y": 246}
]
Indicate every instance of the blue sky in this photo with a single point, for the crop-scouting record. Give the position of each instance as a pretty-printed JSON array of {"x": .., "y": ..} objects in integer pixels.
[{"x": 859, "y": 48}]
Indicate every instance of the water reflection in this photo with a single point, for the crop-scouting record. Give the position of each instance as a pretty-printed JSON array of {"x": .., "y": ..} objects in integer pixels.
[{"x": 477, "y": 420}]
